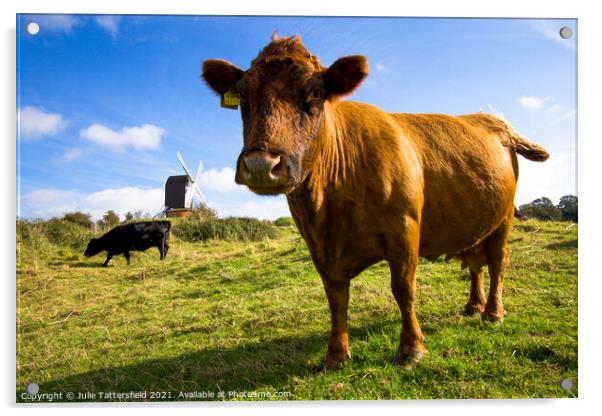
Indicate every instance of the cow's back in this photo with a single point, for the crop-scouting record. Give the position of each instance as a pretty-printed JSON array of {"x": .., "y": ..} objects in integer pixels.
[
  {"x": 136, "y": 236},
  {"x": 469, "y": 178}
]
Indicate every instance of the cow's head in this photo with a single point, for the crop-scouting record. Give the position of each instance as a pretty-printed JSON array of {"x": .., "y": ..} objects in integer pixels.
[
  {"x": 94, "y": 247},
  {"x": 282, "y": 99}
]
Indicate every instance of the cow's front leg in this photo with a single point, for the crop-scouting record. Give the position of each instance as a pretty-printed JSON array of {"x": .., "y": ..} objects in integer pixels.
[
  {"x": 403, "y": 263},
  {"x": 127, "y": 256},
  {"x": 106, "y": 263},
  {"x": 338, "y": 346}
]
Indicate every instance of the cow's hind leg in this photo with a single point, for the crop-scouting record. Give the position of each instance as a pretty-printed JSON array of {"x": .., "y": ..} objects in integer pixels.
[
  {"x": 475, "y": 260},
  {"x": 163, "y": 247},
  {"x": 338, "y": 346},
  {"x": 476, "y": 300},
  {"x": 497, "y": 260},
  {"x": 403, "y": 262}
]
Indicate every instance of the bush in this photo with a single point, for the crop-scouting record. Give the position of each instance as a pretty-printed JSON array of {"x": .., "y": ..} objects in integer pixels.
[
  {"x": 79, "y": 218},
  {"x": 542, "y": 209},
  {"x": 67, "y": 233},
  {"x": 31, "y": 233},
  {"x": 284, "y": 222},
  {"x": 109, "y": 220},
  {"x": 230, "y": 229},
  {"x": 568, "y": 206},
  {"x": 54, "y": 231},
  {"x": 203, "y": 212}
]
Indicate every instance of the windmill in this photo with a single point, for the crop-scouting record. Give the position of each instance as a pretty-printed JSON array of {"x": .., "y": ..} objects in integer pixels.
[{"x": 180, "y": 190}]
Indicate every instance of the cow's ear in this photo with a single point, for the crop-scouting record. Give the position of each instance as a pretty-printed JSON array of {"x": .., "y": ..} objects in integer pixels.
[
  {"x": 220, "y": 75},
  {"x": 345, "y": 75}
]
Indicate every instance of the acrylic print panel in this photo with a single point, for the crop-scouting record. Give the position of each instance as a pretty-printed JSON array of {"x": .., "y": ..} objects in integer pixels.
[{"x": 227, "y": 300}]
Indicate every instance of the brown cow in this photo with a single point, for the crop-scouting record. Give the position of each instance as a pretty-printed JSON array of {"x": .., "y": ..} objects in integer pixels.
[{"x": 364, "y": 185}]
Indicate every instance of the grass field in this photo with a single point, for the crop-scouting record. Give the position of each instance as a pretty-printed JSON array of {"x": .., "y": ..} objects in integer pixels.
[{"x": 252, "y": 317}]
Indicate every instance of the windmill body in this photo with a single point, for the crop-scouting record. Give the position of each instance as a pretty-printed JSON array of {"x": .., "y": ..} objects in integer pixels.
[{"x": 180, "y": 190}]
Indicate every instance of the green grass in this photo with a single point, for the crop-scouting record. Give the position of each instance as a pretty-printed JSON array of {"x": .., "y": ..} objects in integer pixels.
[{"x": 252, "y": 316}]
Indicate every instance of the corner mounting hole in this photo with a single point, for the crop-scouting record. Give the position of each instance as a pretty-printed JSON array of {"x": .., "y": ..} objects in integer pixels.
[
  {"x": 33, "y": 28},
  {"x": 566, "y": 32}
]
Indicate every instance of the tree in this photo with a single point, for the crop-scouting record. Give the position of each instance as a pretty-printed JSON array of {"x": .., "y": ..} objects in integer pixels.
[
  {"x": 203, "y": 212},
  {"x": 100, "y": 225},
  {"x": 568, "y": 208},
  {"x": 138, "y": 215},
  {"x": 129, "y": 216},
  {"x": 541, "y": 208},
  {"x": 79, "y": 218},
  {"x": 110, "y": 219}
]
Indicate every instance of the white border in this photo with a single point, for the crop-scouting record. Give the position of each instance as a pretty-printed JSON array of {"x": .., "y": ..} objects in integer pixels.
[{"x": 588, "y": 173}]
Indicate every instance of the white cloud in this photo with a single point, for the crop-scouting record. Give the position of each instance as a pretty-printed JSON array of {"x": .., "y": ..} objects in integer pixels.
[
  {"x": 553, "y": 178},
  {"x": 536, "y": 103},
  {"x": 71, "y": 154},
  {"x": 556, "y": 108},
  {"x": 46, "y": 203},
  {"x": 566, "y": 115},
  {"x": 35, "y": 123},
  {"x": 109, "y": 23},
  {"x": 381, "y": 67},
  {"x": 220, "y": 180},
  {"x": 533, "y": 103},
  {"x": 65, "y": 24},
  {"x": 268, "y": 208},
  {"x": 143, "y": 137},
  {"x": 550, "y": 29},
  {"x": 57, "y": 23},
  {"x": 123, "y": 200},
  {"x": 47, "y": 196}
]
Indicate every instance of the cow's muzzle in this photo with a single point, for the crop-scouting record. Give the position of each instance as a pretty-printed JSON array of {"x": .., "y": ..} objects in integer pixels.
[{"x": 264, "y": 172}]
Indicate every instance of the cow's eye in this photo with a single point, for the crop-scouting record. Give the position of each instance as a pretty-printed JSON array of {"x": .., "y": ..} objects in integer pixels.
[
  {"x": 313, "y": 98},
  {"x": 314, "y": 95}
]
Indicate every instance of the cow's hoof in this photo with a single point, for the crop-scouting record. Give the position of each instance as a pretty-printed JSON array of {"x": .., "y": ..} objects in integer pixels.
[
  {"x": 332, "y": 361},
  {"x": 409, "y": 356},
  {"x": 493, "y": 316},
  {"x": 473, "y": 308}
]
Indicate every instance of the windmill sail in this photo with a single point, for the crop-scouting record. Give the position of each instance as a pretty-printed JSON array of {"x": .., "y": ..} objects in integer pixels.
[{"x": 192, "y": 182}]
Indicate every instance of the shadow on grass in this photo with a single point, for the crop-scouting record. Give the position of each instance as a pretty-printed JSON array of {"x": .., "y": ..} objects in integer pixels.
[
  {"x": 79, "y": 264},
  {"x": 261, "y": 366},
  {"x": 563, "y": 245}
]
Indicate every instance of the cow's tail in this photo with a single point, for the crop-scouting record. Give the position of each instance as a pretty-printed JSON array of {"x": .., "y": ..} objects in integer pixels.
[
  {"x": 528, "y": 149},
  {"x": 167, "y": 225},
  {"x": 522, "y": 146}
]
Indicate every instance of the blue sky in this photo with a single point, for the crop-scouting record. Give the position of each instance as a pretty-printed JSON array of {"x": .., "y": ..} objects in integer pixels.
[{"x": 105, "y": 102}]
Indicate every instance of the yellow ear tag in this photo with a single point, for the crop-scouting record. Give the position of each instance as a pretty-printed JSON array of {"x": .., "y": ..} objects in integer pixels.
[{"x": 230, "y": 100}]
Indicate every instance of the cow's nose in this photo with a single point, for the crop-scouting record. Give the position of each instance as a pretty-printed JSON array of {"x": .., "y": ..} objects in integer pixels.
[{"x": 262, "y": 169}]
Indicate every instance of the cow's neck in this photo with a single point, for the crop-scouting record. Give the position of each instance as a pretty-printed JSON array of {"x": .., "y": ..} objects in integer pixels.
[
  {"x": 335, "y": 157},
  {"x": 332, "y": 166},
  {"x": 315, "y": 202}
]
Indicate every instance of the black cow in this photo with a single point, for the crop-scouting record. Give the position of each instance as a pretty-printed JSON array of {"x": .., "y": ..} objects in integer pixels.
[{"x": 137, "y": 236}]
